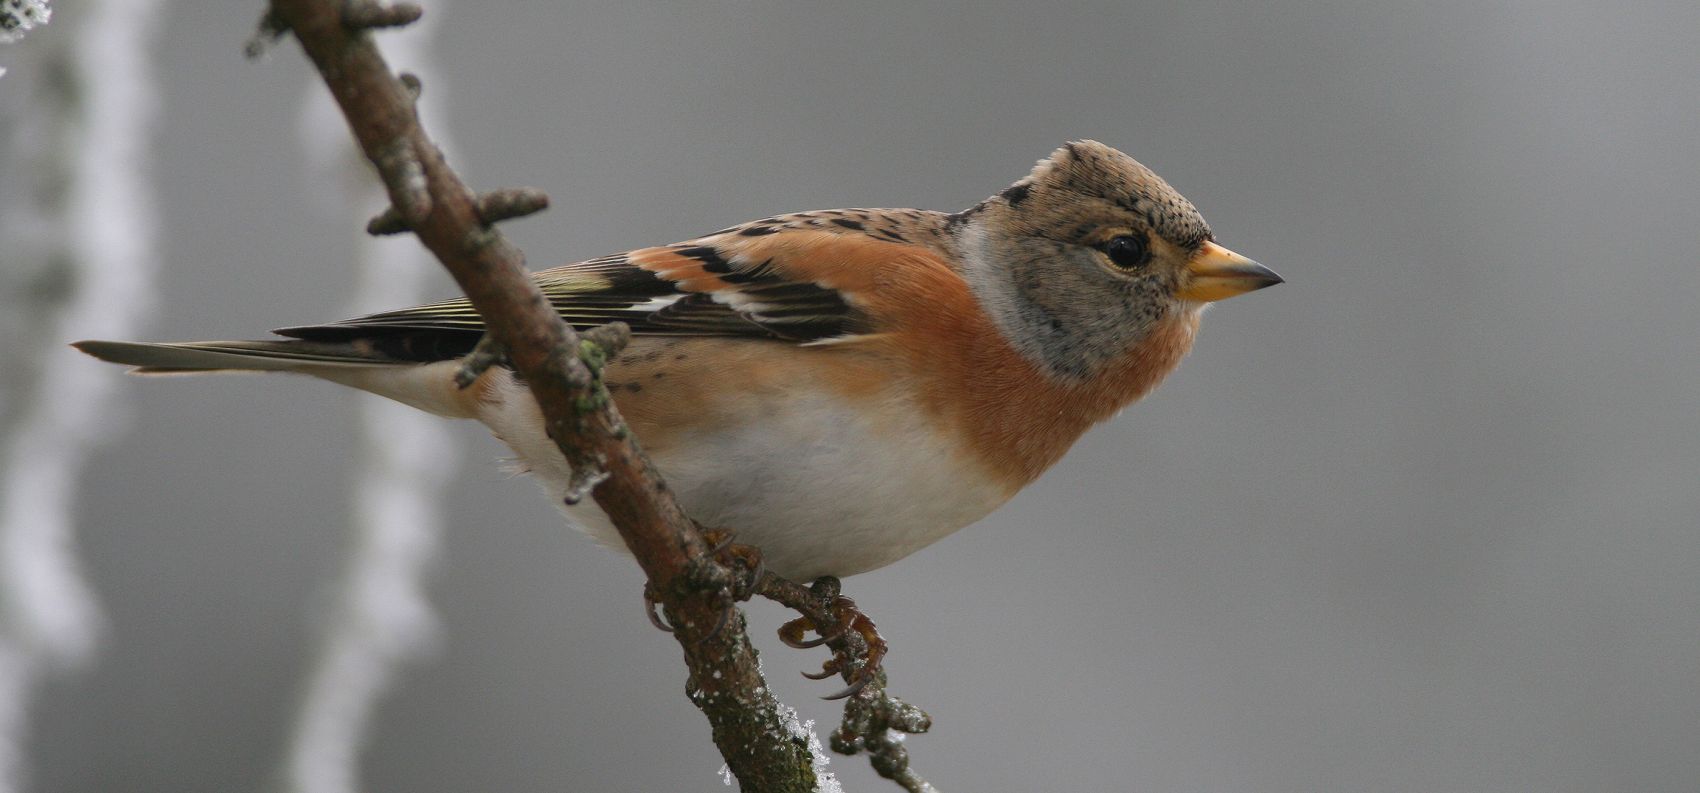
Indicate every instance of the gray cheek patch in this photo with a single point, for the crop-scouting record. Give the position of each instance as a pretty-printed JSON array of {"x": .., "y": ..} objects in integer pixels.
[{"x": 1055, "y": 305}]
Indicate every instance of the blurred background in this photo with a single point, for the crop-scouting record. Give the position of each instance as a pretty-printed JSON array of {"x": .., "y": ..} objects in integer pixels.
[{"x": 1426, "y": 518}]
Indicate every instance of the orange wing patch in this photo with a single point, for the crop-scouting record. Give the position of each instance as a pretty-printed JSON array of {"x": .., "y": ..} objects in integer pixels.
[{"x": 726, "y": 283}]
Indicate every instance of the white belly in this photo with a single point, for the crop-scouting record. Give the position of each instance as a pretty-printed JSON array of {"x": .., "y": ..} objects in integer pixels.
[{"x": 819, "y": 488}]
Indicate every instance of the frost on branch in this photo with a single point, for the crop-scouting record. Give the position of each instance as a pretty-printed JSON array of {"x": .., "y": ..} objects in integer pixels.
[{"x": 18, "y": 17}]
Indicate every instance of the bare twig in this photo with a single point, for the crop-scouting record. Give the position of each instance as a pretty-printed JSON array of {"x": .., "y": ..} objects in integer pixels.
[
  {"x": 557, "y": 364},
  {"x": 493, "y": 207},
  {"x": 486, "y": 354},
  {"x": 358, "y": 14},
  {"x": 511, "y": 202},
  {"x": 387, "y": 223},
  {"x": 271, "y": 28}
]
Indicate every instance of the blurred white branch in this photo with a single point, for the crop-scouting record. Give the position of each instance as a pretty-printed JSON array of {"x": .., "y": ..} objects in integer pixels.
[
  {"x": 78, "y": 227},
  {"x": 379, "y": 619}
]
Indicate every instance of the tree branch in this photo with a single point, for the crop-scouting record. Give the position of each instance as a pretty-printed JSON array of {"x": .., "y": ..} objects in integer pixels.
[{"x": 564, "y": 374}]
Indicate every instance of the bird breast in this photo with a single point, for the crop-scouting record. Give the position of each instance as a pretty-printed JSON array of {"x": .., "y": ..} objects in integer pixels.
[{"x": 821, "y": 459}]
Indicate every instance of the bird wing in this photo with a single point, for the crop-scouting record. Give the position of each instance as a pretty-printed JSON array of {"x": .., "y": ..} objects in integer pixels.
[{"x": 781, "y": 277}]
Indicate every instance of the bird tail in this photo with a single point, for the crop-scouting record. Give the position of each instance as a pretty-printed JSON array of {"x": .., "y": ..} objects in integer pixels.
[
  {"x": 194, "y": 357},
  {"x": 418, "y": 374}
]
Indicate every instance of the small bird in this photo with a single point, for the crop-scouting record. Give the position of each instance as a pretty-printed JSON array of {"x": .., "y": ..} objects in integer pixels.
[{"x": 840, "y": 388}]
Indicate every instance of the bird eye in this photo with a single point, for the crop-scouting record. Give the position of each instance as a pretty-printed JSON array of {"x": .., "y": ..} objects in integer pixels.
[{"x": 1128, "y": 252}]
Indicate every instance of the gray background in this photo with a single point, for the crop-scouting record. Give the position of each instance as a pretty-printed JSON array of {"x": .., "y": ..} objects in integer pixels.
[{"x": 1423, "y": 519}]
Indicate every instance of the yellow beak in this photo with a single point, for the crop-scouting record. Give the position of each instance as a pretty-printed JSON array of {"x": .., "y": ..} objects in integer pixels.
[{"x": 1217, "y": 273}]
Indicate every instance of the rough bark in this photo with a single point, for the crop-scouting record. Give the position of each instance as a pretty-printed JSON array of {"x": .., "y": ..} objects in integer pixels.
[{"x": 563, "y": 371}]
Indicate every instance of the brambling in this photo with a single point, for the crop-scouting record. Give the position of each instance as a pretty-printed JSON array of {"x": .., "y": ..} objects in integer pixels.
[{"x": 841, "y": 388}]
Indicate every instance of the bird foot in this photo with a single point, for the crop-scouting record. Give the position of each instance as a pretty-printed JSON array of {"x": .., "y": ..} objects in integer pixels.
[
  {"x": 736, "y": 572},
  {"x": 745, "y": 562},
  {"x": 857, "y": 646}
]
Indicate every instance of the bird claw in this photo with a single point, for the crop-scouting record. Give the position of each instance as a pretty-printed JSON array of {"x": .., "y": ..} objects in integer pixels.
[
  {"x": 719, "y": 624},
  {"x": 791, "y": 634},
  {"x": 827, "y": 670},
  {"x": 830, "y": 668},
  {"x": 649, "y": 604},
  {"x": 721, "y": 539},
  {"x": 747, "y": 568},
  {"x": 852, "y": 690},
  {"x": 745, "y": 562},
  {"x": 846, "y": 620}
]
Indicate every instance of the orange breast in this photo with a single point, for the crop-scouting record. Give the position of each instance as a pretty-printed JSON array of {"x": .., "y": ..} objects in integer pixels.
[
  {"x": 1016, "y": 421},
  {"x": 934, "y": 349}
]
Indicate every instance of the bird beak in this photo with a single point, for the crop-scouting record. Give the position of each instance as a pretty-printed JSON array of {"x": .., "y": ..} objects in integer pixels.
[{"x": 1217, "y": 273}]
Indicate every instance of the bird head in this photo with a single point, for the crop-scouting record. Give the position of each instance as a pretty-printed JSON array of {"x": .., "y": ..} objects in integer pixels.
[{"x": 1082, "y": 258}]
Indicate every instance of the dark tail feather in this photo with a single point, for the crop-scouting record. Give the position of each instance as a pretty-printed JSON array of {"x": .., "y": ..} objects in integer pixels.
[{"x": 216, "y": 356}]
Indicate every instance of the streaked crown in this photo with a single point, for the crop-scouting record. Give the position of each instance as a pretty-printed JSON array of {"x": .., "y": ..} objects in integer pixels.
[{"x": 1086, "y": 179}]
